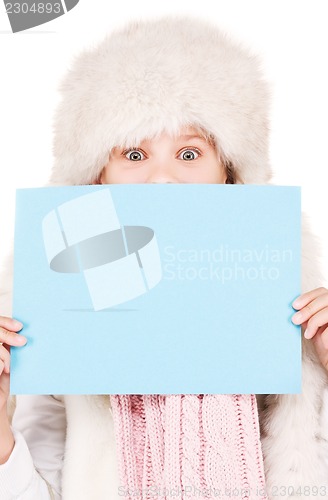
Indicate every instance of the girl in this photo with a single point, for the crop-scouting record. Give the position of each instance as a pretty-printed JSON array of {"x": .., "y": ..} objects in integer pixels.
[{"x": 171, "y": 100}]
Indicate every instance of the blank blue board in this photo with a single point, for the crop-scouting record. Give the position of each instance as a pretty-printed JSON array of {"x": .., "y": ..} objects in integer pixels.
[{"x": 157, "y": 289}]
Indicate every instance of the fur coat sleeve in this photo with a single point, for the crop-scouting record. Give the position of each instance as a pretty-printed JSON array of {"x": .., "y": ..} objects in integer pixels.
[{"x": 293, "y": 429}]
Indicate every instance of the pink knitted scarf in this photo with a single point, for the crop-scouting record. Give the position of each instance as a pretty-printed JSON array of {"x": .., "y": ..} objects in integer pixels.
[{"x": 188, "y": 446}]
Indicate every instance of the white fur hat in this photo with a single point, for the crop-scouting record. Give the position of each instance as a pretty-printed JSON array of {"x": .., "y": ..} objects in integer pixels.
[{"x": 158, "y": 75}]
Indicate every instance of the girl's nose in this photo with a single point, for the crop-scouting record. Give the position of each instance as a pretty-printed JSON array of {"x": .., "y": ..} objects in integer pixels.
[{"x": 161, "y": 174}]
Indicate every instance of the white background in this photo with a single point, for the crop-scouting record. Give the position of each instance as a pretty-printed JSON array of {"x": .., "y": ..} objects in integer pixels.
[{"x": 291, "y": 36}]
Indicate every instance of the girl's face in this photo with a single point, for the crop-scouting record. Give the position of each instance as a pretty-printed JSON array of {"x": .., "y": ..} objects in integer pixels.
[{"x": 187, "y": 158}]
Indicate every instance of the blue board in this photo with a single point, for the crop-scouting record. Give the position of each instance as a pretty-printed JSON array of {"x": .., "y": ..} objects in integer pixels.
[{"x": 157, "y": 289}]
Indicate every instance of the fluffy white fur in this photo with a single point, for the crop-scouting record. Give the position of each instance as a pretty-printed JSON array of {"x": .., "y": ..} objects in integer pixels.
[
  {"x": 154, "y": 76},
  {"x": 145, "y": 78}
]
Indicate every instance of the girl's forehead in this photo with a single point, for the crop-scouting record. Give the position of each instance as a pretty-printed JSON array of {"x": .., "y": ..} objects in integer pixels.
[
  {"x": 182, "y": 135},
  {"x": 185, "y": 133},
  {"x": 188, "y": 131}
]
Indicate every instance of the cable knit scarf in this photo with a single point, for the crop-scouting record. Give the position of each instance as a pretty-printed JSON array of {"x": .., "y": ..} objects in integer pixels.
[{"x": 188, "y": 446}]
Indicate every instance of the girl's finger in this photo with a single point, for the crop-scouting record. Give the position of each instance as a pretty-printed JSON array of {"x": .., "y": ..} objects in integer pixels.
[
  {"x": 319, "y": 319},
  {"x": 310, "y": 309},
  {"x": 11, "y": 338},
  {"x": 320, "y": 341},
  {"x": 10, "y": 324},
  {"x": 305, "y": 298},
  {"x": 324, "y": 339},
  {"x": 5, "y": 358}
]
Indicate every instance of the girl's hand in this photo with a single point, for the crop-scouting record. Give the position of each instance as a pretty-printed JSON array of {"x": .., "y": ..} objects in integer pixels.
[
  {"x": 8, "y": 337},
  {"x": 313, "y": 316}
]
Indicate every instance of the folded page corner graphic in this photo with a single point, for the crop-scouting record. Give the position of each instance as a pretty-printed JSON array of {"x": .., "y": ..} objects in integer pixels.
[
  {"x": 29, "y": 14},
  {"x": 119, "y": 263}
]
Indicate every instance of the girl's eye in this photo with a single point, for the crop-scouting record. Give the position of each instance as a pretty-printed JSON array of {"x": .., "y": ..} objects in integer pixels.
[
  {"x": 134, "y": 155},
  {"x": 189, "y": 154}
]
